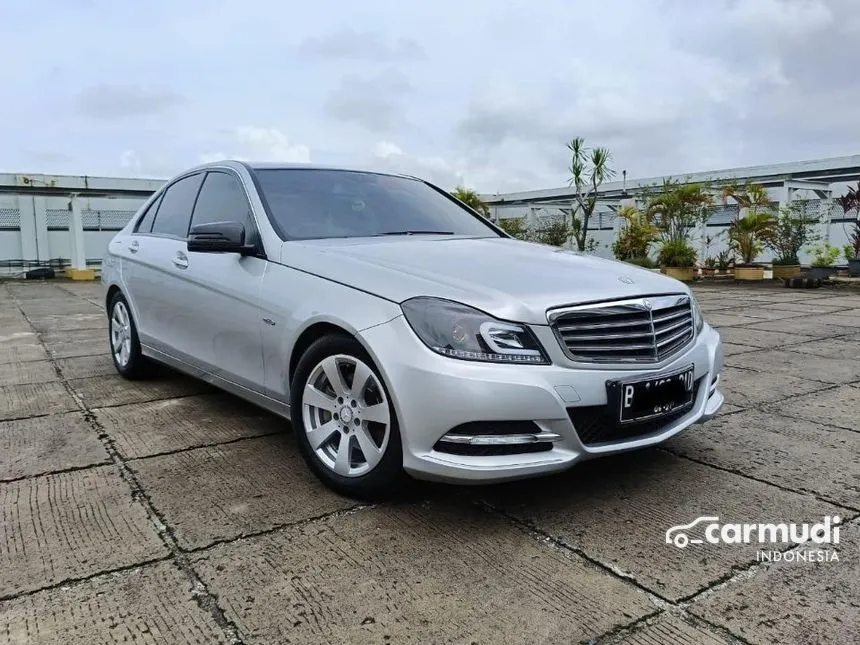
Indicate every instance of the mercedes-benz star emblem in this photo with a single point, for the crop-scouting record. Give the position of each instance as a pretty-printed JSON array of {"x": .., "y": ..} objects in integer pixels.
[
  {"x": 625, "y": 279},
  {"x": 647, "y": 304}
]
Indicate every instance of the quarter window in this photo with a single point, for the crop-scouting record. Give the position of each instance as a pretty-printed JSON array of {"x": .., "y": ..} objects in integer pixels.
[
  {"x": 174, "y": 212},
  {"x": 145, "y": 223}
]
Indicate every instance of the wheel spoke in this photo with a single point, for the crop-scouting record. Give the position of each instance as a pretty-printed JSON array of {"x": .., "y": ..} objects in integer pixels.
[
  {"x": 341, "y": 463},
  {"x": 359, "y": 379},
  {"x": 332, "y": 373},
  {"x": 318, "y": 436},
  {"x": 116, "y": 342},
  {"x": 378, "y": 413},
  {"x": 313, "y": 397},
  {"x": 372, "y": 454}
]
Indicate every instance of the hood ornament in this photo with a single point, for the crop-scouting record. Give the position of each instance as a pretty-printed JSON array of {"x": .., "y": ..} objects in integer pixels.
[{"x": 625, "y": 279}]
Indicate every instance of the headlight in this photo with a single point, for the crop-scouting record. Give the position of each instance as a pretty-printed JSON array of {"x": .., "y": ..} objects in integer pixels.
[
  {"x": 452, "y": 329},
  {"x": 698, "y": 319}
]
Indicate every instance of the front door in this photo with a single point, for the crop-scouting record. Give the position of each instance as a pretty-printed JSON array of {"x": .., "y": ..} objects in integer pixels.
[{"x": 223, "y": 289}]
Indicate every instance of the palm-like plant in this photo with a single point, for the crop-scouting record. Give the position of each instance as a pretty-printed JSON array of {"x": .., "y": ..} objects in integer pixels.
[
  {"x": 589, "y": 168},
  {"x": 676, "y": 208},
  {"x": 750, "y": 195},
  {"x": 471, "y": 199},
  {"x": 748, "y": 235},
  {"x": 635, "y": 238}
]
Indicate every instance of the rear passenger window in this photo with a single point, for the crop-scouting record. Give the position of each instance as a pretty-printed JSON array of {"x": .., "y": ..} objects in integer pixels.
[
  {"x": 174, "y": 212},
  {"x": 145, "y": 223},
  {"x": 222, "y": 199}
]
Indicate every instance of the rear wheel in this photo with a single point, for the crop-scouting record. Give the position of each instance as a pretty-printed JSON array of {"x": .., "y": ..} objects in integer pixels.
[
  {"x": 345, "y": 424},
  {"x": 124, "y": 343}
]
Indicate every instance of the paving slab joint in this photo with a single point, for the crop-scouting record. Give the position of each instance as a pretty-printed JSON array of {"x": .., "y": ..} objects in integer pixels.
[{"x": 206, "y": 600}]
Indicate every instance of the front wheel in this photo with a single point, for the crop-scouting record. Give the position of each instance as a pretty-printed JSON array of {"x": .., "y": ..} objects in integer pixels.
[{"x": 344, "y": 421}]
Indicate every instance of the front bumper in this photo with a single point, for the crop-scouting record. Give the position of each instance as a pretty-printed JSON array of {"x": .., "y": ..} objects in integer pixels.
[{"x": 433, "y": 394}]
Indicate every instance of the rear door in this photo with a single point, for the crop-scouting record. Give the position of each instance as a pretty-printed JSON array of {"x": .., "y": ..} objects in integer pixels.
[
  {"x": 157, "y": 263},
  {"x": 223, "y": 289}
]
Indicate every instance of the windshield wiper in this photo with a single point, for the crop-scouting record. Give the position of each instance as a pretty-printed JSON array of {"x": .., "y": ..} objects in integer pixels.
[{"x": 416, "y": 232}]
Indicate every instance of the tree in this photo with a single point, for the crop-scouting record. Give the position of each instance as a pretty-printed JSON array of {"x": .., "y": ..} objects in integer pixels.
[
  {"x": 471, "y": 199},
  {"x": 637, "y": 234},
  {"x": 751, "y": 196},
  {"x": 676, "y": 208},
  {"x": 589, "y": 168}
]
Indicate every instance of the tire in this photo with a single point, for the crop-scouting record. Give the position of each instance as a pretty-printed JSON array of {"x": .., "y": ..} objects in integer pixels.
[
  {"x": 128, "y": 359},
  {"x": 325, "y": 414}
]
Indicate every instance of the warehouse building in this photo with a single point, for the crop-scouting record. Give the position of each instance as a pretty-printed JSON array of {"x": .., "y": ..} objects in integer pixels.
[{"x": 65, "y": 222}]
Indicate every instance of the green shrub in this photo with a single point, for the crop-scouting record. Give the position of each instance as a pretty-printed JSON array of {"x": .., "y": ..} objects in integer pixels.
[
  {"x": 677, "y": 253},
  {"x": 515, "y": 227},
  {"x": 824, "y": 254},
  {"x": 644, "y": 262}
]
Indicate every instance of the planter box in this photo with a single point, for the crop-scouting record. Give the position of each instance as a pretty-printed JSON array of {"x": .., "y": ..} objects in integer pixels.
[
  {"x": 822, "y": 273},
  {"x": 854, "y": 268},
  {"x": 749, "y": 273},
  {"x": 684, "y": 274},
  {"x": 782, "y": 271}
]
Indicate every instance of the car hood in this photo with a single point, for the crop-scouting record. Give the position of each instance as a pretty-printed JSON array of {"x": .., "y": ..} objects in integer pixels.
[{"x": 507, "y": 278}]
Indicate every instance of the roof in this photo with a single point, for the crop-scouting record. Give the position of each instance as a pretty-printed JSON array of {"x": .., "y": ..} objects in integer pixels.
[{"x": 826, "y": 171}]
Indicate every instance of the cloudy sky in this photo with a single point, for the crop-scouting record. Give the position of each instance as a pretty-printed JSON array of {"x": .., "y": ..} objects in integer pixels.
[{"x": 485, "y": 92}]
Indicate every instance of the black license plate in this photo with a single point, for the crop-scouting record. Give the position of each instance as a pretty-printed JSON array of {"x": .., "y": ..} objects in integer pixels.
[{"x": 653, "y": 397}]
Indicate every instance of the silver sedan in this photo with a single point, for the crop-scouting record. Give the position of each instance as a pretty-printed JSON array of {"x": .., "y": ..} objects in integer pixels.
[{"x": 399, "y": 330}]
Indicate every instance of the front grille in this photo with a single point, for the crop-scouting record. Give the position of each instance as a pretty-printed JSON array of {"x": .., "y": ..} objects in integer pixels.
[
  {"x": 595, "y": 424},
  {"x": 642, "y": 330}
]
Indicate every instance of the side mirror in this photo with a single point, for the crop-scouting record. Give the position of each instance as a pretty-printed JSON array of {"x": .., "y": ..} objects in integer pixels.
[{"x": 219, "y": 237}]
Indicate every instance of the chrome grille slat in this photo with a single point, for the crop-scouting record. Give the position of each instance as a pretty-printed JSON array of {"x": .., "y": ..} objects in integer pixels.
[
  {"x": 671, "y": 316},
  {"x": 664, "y": 330},
  {"x": 672, "y": 338},
  {"x": 640, "y": 330}
]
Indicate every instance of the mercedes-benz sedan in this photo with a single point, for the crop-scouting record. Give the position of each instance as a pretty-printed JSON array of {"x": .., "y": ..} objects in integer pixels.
[{"x": 399, "y": 330}]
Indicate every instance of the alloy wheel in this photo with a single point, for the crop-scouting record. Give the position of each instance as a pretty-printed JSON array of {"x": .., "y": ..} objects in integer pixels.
[
  {"x": 120, "y": 334},
  {"x": 346, "y": 415}
]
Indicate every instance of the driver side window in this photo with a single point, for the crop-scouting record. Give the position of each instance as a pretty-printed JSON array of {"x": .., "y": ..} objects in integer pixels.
[{"x": 222, "y": 199}]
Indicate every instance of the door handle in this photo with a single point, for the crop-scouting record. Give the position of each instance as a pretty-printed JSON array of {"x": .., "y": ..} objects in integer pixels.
[
  {"x": 134, "y": 246},
  {"x": 181, "y": 261}
]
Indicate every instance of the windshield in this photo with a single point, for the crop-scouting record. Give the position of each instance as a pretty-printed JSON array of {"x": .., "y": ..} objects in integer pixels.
[{"x": 312, "y": 204}]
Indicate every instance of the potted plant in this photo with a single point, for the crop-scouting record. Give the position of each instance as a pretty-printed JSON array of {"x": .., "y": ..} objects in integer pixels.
[
  {"x": 709, "y": 266},
  {"x": 678, "y": 259},
  {"x": 851, "y": 201},
  {"x": 749, "y": 232},
  {"x": 725, "y": 260},
  {"x": 635, "y": 238},
  {"x": 747, "y": 236},
  {"x": 824, "y": 255},
  {"x": 677, "y": 209},
  {"x": 792, "y": 230},
  {"x": 852, "y": 255}
]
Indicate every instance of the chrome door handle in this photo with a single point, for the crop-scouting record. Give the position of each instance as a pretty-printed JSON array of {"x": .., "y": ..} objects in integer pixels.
[
  {"x": 181, "y": 261},
  {"x": 134, "y": 246}
]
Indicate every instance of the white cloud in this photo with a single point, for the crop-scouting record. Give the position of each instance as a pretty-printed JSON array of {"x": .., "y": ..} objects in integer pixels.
[
  {"x": 252, "y": 143},
  {"x": 489, "y": 98}
]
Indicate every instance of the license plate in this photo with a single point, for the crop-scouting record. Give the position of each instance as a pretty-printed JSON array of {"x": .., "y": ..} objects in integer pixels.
[{"x": 652, "y": 397}]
